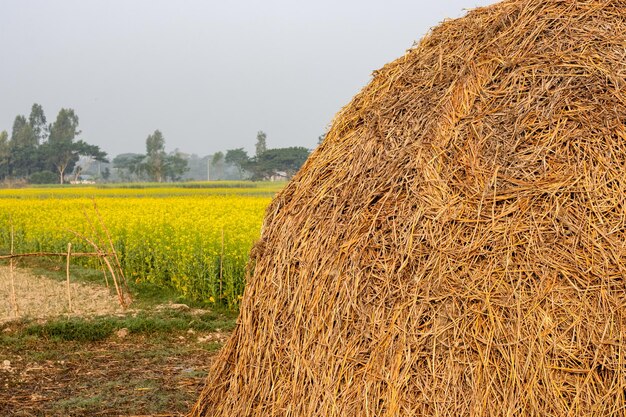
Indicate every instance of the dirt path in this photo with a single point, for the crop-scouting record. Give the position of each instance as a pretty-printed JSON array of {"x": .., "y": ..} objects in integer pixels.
[
  {"x": 42, "y": 297},
  {"x": 134, "y": 376}
]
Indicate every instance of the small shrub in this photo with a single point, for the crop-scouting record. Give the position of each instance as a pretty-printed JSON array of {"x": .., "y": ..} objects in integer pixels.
[{"x": 44, "y": 177}]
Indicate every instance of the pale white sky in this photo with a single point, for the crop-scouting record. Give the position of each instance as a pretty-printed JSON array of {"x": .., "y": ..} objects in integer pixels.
[{"x": 209, "y": 74}]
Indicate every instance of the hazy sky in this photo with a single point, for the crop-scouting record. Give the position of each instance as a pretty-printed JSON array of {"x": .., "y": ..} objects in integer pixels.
[{"x": 209, "y": 74}]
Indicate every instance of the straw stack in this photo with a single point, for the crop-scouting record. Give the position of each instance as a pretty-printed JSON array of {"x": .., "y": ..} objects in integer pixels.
[{"x": 457, "y": 245}]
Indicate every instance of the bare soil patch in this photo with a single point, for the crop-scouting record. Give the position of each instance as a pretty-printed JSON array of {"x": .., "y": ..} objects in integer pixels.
[
  {"x": 42, "y": 297},
  {"x": 130, "y": 376}
]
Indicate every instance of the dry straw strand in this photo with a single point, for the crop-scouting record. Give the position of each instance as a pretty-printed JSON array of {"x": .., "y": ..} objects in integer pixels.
[{"x": 457, "y": 244}]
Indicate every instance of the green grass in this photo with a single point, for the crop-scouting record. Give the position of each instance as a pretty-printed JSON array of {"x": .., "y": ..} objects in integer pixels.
[
  {"x": 100, "y": 328},
  {"x": 196, "y": 184},
  {"x": 54, "y": 268},
  {"x": 137, "y": 189},
  {"x": 213, "y": 346},
  {"x": 78, "y": 404}
]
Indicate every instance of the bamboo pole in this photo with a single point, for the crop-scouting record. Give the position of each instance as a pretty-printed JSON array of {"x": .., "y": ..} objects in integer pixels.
[
  {"x": 120, "y": 270},
  {"x": 221, "y": 264},
  {"x": 41, "y": 254},
  {"x": 67, "y": 271},
  {"x": 103, "y": 256},
  {"x": 118, "y": 290},
  {"x": 12, "y": 274},
  {"x": 114, "y": 267},
  {"x": 104, "y": 272}
]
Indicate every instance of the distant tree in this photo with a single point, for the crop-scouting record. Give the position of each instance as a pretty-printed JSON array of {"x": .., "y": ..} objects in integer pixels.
[
  {"x": 24, "y": 157},
  {"x": 218, "y": 157},
  {"x": 61, "y": 150},
  {"x": 155, "y": 156},
  {"x": 5, "y": 154},
  {"x": 197, "y": 167},
  {"x": 23, "y": 148},
  {"x": 106, "y": 174},
  {"x": 129, "y": 166},
  {"x": 19, "y": 123},
  {"x": 321, "y": 138},
  {"x": 65, "y": 127},
  {"x": 175, "y": 166},
  {"x": 261, "y": 143},
  {"x": 217, "y": 165},
  {"x": 272, "y": 161},
  {"x": 43, "y": 177},
  {"x": 239, "y": 158},
  {"x": 37, "y": 121}
]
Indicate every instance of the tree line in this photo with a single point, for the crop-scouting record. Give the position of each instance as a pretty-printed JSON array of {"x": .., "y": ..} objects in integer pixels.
[
  {"x": 277, "y": 163},
  {"x": 155, "y": 165},
  {"x": 42, "y": 152}
]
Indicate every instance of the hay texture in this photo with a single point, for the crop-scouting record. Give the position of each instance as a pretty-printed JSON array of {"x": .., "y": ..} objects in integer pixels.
[{"x": 457, "y": 245}]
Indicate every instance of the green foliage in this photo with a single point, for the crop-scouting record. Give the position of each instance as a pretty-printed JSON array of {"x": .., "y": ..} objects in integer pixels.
[
  {"x": 261, "y": 143},
  {"x": 155, "y": 156},
  {"x": 22, "y": 148},
  {"x": 175, "y": 166},
  {"x": 17, "y": 135},
  {"x": 269, "y": 162},
  {"x": 239, "y": 158},
  {"x": 129, "y": 166},
  {"x": 218, "y": 157},
  {"x": 155, "y": 165},
  {"x": 38, "y": 123},
  {"x": 43, "y": 177},
  {"x": 62, "y": 151},
  {"x": 216, "y": 167},
  {"x": 155, "y": 144},
  {"x": 272, "y": 161},
  {"x": 65, "y": 127},
  {"x": 26, "y": 152},
  {"x": 5, "y": 154}
]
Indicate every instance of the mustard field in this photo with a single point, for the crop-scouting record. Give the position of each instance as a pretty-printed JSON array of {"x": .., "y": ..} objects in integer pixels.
[{"x": 194, "y": 238}]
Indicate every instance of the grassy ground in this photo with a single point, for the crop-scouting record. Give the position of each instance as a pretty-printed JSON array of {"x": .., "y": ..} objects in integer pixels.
[{"x": 151, "y": 360}]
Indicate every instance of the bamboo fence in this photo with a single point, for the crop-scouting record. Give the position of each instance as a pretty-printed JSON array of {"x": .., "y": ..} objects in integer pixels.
[{"x": 104, "y": 250}]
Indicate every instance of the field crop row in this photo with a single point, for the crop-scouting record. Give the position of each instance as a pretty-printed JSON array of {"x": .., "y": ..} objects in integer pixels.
[{"x": 195, "y": 240}]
